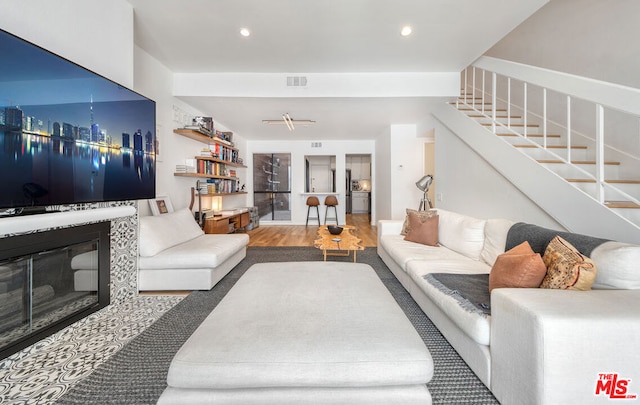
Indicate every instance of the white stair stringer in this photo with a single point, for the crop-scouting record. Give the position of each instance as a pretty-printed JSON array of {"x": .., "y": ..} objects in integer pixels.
[{"x": 569, "y": 206}]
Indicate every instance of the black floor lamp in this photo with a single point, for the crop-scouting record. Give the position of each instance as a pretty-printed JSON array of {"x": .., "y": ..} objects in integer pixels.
[{"x": 423, "y": 184}]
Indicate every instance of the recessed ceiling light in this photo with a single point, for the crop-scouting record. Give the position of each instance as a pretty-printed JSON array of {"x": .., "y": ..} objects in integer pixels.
[
  {"x": 245, "y": 32},
  {"x": 406, "y": 30}
]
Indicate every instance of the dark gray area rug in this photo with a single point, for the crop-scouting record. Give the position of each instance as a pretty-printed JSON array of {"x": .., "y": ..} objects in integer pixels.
[{"x": 137, "y": 373}]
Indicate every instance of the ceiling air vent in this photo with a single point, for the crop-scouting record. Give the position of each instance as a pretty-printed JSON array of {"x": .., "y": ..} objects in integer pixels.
[
  {"x": 296, "y": 81},
  {"x": 316, "y": 144}
]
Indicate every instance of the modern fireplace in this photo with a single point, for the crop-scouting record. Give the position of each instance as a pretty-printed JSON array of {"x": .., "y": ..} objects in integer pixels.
[{"x": 49, "y": 280}]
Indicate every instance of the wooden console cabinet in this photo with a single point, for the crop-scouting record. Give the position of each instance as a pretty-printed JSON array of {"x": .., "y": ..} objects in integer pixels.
[{"x": 226, "y": 223}]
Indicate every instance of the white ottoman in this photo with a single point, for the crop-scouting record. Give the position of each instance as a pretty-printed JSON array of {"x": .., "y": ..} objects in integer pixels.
[{"x": 303, "y": 332}]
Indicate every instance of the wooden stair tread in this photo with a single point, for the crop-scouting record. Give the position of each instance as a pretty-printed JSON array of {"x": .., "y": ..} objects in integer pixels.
[
  {"x": 614, "y": 181},
  {"x": 464, "y": 107},
  {"x": 476, "y": 103},
  {"x": 622, "y": 181},
  {"x": 530, "y": 135},
  {"x": 513, "y": 117},
  {"x": 551, "y": 146},
  {"x": 488, "y": 124},
  {"x": 577, "y": 162},
  {"x": 621, "y": 204}
]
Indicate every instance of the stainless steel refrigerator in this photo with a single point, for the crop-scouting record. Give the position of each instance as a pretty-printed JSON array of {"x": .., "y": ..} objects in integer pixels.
[{"x": 348, "y": 192}]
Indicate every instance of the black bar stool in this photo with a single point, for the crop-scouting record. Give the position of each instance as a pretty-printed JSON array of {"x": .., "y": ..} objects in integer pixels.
[
  {"x": 312, "y": 201},
  {"x": 331, "y": 201}
]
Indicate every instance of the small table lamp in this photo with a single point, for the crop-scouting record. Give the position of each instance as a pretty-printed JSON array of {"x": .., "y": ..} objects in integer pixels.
[{"x": 216, "y": 205}]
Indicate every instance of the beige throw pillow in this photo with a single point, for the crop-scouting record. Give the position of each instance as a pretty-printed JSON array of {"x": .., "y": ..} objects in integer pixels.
[
  {"x": 423, "y": 215},
  {"x": 424, "y": 232},
  {"x": 567, "y": 268},
  {"x": 519, "y": 267}
]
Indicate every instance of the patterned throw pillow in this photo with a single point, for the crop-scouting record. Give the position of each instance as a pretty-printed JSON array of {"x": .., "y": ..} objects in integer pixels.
[
  {"x": 422, "y": 215},
  {"x": 567, "y": 269}
]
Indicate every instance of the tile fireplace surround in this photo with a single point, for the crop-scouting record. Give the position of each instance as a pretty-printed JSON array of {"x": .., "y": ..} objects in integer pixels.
[
  {"x": 51, "y": 279},
  {"x": 43, "y": 372}
]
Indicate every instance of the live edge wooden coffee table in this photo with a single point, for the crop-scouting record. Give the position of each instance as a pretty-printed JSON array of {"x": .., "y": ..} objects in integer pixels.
[{"x": 338, "y": 245}]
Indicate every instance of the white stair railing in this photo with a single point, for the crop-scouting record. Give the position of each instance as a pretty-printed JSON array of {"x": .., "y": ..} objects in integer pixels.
[{"x": 602, "y": 95}]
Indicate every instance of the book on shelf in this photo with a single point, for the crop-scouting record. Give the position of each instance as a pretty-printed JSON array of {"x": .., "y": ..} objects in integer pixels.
[
  {"x": 225, "y": 137},
  {"x": 222, "y": 186},
  {"x": 214, "y": 168},
  {"x": 185, "y": 169}
]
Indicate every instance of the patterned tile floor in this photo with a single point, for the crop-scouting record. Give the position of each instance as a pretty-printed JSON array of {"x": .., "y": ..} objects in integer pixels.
[{"x": 43, "y": 372}]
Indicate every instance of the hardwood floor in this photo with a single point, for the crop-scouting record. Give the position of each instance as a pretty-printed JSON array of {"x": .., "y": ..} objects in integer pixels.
[{"x": 300, "y": 235}]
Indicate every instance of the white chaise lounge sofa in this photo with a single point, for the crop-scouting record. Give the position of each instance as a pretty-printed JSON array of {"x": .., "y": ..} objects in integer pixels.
[
  {"x": 175, "y": 254},
  {"x": 537, "y": 346}
]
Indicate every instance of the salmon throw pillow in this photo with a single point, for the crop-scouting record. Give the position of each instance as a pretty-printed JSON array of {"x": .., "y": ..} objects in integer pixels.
[
  {"x": 424, "y": 232},
  {"x": 519, "y": 267}
]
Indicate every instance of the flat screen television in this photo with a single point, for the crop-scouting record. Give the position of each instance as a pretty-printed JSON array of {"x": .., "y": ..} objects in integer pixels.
[{"x": 69, "y": 135}]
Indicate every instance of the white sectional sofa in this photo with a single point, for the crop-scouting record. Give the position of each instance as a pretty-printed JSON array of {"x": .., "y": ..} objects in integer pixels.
[
  {"x": 175, "y": 254},
  {"x": 537, "y": 346}
]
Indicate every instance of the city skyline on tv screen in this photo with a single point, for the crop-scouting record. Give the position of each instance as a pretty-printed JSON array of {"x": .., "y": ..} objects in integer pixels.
[{"x": 68, "y": 135}]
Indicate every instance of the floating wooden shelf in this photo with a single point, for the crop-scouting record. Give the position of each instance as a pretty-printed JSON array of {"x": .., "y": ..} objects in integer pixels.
[
  {"x": 223, "y": 194},
  {"x": 208, "y": 176},
  {"x": 216, "y": 160},
  {"x": 195, "y": 135}
]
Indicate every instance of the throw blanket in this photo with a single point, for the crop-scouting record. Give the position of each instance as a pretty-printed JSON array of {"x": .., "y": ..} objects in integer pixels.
[
  {"x": 470, "y": 290},
  {"x": 539, "y": 237}
]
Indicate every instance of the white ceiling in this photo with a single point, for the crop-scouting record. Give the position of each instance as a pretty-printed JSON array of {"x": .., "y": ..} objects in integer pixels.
[{"x": 329, "y": 36}]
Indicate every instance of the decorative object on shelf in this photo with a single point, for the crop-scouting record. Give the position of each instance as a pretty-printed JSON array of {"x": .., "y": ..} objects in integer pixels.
[
  {"x": 204, "y": 122},
  {"x": 160, "y": 205},
  {"x": 423, "y": 185}
]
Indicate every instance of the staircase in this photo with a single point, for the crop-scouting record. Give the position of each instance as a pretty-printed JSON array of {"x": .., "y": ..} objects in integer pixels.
[
  {"x": 562, "y": 200},
  {"x": 552, "y": 131},
  {"x": 550, "y": 152}
]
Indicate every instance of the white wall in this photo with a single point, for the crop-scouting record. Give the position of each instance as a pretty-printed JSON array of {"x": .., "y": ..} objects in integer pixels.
[
  {"x": 400, "y": 163},
  {"x": 300, "y": 149},
  {"x": 469, "y": 185},
  {"x": 591, "y": 38},
  {"x": 155, "y": 80},
  {"x": 95, "y": 34},
  {"x": 381, "y": 193},
  {"x": 406, "y": 166}
]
